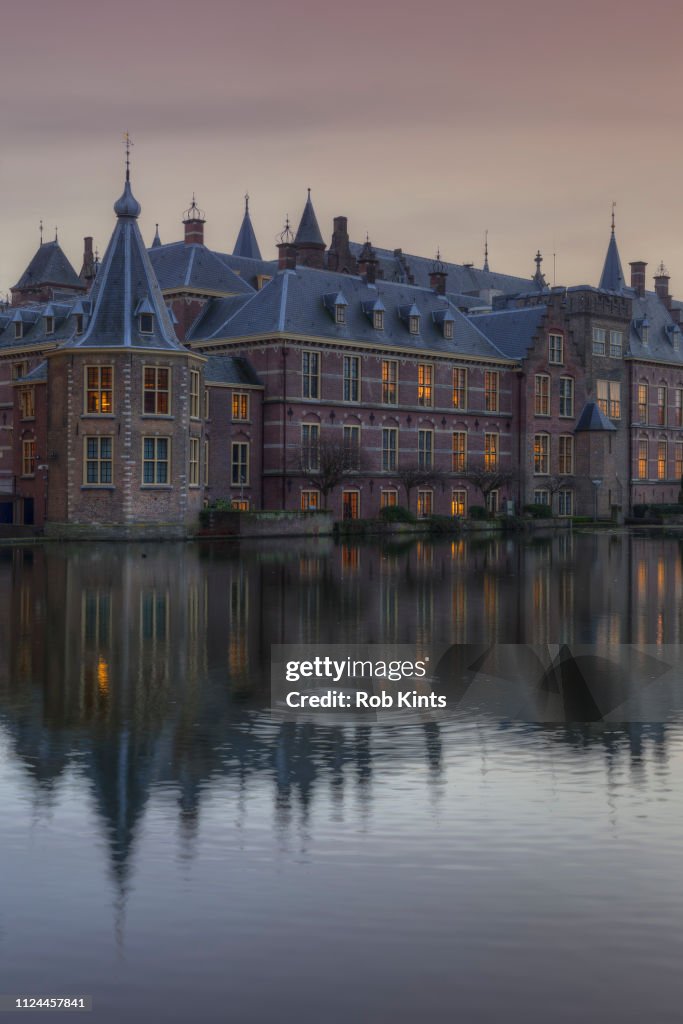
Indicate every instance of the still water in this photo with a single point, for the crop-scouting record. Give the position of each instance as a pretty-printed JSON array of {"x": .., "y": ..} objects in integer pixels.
[{"x": 171, "y": 851}]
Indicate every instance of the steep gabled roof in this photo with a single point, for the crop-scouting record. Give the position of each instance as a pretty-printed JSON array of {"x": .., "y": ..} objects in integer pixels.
[
  {"x": 612, "y": 279},
  {"x": 308, "y": 232},
  {"x": 194, "y": 268},
  {"x": 512, "y": 331},
  {"x": 592, "y": 418},
  {"x": 50, "y": 266},
  {"x": 246, "y": 244},
  {"x": 126, "y": 283},
  {"x": 223, "y": 369}
]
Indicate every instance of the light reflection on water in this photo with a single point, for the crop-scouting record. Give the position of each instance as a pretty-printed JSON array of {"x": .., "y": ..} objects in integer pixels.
[{"x": 171, "y": 850}]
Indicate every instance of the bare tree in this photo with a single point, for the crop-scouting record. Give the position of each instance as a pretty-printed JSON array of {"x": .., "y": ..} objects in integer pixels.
[
  {"x": 325, "y": 463},
  {"x": 413, "y": 475},
  {"x": 486, "y": 480}
]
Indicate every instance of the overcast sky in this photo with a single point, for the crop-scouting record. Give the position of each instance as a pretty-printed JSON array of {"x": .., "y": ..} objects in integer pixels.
[{"x": 425, "y": 124}]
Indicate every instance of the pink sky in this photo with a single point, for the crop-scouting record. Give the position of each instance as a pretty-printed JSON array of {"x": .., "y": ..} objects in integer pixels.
[{"x": 424, "y": 124}]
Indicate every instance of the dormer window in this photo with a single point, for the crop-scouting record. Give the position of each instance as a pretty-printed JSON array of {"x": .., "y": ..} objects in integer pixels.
[
  {"x": 336, "y": 304},
  {"x": 18, "y": 329},
  {"x": 79, "y": 323},
  {"x": 414, "y": 324},
  {"x": 146, "y": 323},
  {"x": 448, "y": 330},
  {"x": 378, "y": 319},
  {"x": 340, "y": 313},
  {"x": 49, "y": 325},
  {"x": 645, "y": 331}
]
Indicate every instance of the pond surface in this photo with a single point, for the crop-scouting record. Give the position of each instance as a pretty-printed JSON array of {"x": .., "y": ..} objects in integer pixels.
[{"x": 170, "y": 850}]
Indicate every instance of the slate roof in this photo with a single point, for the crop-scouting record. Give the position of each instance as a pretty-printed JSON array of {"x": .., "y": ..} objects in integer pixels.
[
  {"x": 592, "y": 418},
  {"x": 294, "y": 302},
  {"x": 612, "y": 279},
  {"x": 50, "y": 266},
  {"x": 34, "y": 323},
  {"x": 308, "y": 232},
  {"x": 37, "y": 375},
  {"x": 512, "y": 331},
  {"x": 222, "y": 369},
  {"x": 248, "y": 269},
  {"x": 124, "y": 281},
  {"x": 246, "y": 244},
  {"x": 194, "y": 268},
  {"x": 662, "y": 330}
]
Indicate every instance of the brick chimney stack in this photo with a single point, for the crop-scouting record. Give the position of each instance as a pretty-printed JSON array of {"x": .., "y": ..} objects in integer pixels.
[
  {"x": 194, "y": 221},
  {"x": 438, "y": 275},
  {"x": 368, "y": 262},
  {"x": 638, "y": 276},
  {"x": 286, "y": 249},
  {"x": 339, "y": 255},
  {"x": 88, "y": 269},
  {"x": 662, "y": 285}
]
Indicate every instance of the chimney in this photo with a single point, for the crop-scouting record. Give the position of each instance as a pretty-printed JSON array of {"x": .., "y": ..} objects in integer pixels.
[
  {"x": 88, "y": 269},
  {"x": 368, "y": 263},
  {"x": 638, "y": 276},
  {"x": 286, "y": 256},
  {"x": 194, "y": 222},
  {"x": 438, "y": 275},
  {"x": 662, "y": 285},
  {"x": 339, "y": 255}
]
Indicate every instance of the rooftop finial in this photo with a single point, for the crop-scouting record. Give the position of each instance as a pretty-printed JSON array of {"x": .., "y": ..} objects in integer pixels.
[
  {"x": 286, "y": 237},
  {"x": 614, "y": 206},
  {"x": 309, "y": 193},
  {"x": 486, "y": 249},
  {"x": 127, "y": 205},
  {"x": 128, "y": 142},
  {"x": 56, "y": 234},
  {"x": 246, "y": 202},
  {"x": 41, "y": 230},
  {"x": 193, "y": 212}
]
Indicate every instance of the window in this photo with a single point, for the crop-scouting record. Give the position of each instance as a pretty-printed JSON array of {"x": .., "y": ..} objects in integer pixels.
[
  {"x": 425, "y": 377},
  {"x": 567, "y": 397},
  {"x": 491, "y": 390},
  {"x": 566, "y": 452},
  {"x": 642, "y": 460},
  {"x": 542, "y": 453},
  {"x": 599, "y": 338},
  {"x": 310, "y": 501},
  {"x": 240, "y": 405},
  {"x": 616, "y": 344},
  {"x": 458, "y": 503},
  {"x": 194, "y": 394},
  {"x": 565, "y": 503},
  {"x": 541, "y": 395},
  {"x": 378, "y": 319},
  {"x": 459, "y": 388},
  {"x": 28, "y": 457},
  {"x": 350, "y": 504},
  {"x": 155, "y": 461},
  {"x": 642, "y": 403},
  {"x": 79, "y": 323},
  {"x": 206, "y": 463},
  {"x": 352, "y": 446},
  {"x": 351, "y": 379},
  {"x": 99, "y": 390},
  {"x": 389, "y": 449},
  {"x": 240, "y": 504},
  {"x": 207, "y": 403},
  {"x": 193, "y": 478},
  {"x": 661, "y": 407},
  {"x": 425, "y": 449},
  {"x": 459, "y": 451},
  {"x": 425, "y": 501},
  {"x": 678, "y": 407},
  {"x": 340, "y": 313},
  {"x": 310, "y": 447},
  {"x": 414, "y": 324},
  {"x": 388, "y": 499},
  {"x": 541, "y": 497},
  {"x": 19, "y": 369},
  {"x": 609, "y": 398},
  {"x": 490, "y": 452},
  {"x": 678, "y": 460},
  {"x": 98, "y": 461},
  {"x": 555, "y": 349},
  {"x": 156, "y": 391},
  {"x": 146, "y": 323},
  {"x": 389, "y": 381},
  {"x": 49, "y": 325},
  {"x": 448, "y": 330},
  {"x": 661, "y": 460},
  {"x": 310, "y": 372},
  {"x": 239, "y": 462},
  {"x": 492, "y": 502},
  {"x": 18, "y": 329},
  {"x": 27, "y": 403}
]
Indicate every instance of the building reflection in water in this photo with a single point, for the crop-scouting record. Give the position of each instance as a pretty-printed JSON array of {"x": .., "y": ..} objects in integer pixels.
[{"x": 148, "y": 667}]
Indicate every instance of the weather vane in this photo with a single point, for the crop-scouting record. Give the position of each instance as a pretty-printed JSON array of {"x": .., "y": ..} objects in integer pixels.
[{"x": 128, "y": 142}]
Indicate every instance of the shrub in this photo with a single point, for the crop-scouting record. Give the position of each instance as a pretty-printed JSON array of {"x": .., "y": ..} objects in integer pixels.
[
  {"x": 396, "y": 514},
  {"x": 444, "y": 524},
  {"x": 478, "y": 512},
  {"x": 538, "y": 510}
]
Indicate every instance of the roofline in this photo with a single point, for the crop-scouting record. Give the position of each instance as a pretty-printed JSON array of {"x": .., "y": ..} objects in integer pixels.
[
  {"x": 121, "y": 349},
  {"x": 28, "y": 350},
  {"x": 223, "y": 384},
  {"x": 202, "y": 294}
]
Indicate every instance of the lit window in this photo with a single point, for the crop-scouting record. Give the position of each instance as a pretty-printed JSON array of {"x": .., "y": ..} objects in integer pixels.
[
  {"x": 388, "y": 499},
  {"x": 661, "y": 406},
  {"x": 458, "y": 503},
  {"x": 542, "y": 454},
  {"x": 389, "y": 381},
  {"x": 459, "y": 388},
  {"x": 425, "y": 376},
  {"x": 239, "y": 463},
  {"x": 491, "y": 390},
  {"x": 310, "y": 447},
  {"x": 193, "y": 477},
  {"x": 661, "y": 460},
  {"x": 678, "y": 460},
  {"x": 425, "y": 449},
  {"x": 240, "y": 504},
  {"x": 240, "y": 405},
  {"x": 542, "y": 395},
  {"x": 616, "y": 344},
  {"x": 609, "y": 398},
  {"x": 555, "y": 349},
  {"x": 351, "y": 379},
  {"x": 642, "y": 460},
  {"x": 378, "y": 319},
  {"x": 389, "y": 449},
  {"x": 566, "y": 454},
  {"x": 459, "y": 451},
  {"x": 156, "y": 391},
  {"x": 310, "y": 501},
  {"x": 146, "y": 323},
  {"x": 155, "y": 461},
  {"x": 565, "y": 503},
  {"x": 425, "y": 501},
  {"x": 642, "y": 403},
  {"x": 99, "y": 390},
  {"x": 414, "y": 324},
  {"x": 310, "y": 372},
  {"x": 350, "y": 504},
  {"x": 194, "y": 394},
  {"x": 27, "y": 403},
  {"x": 28, "y": 457},
  {"x": 98, "y": 461},
  {"x": 599, "y": 339},
  {"x": 567, "y": 396},
  {"x": 490, "y": 452}
]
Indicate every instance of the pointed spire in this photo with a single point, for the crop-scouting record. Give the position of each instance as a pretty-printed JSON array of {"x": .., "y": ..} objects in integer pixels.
[
  {"x": 56, "y": 234},
  {"x": 41, "y": 230},
  {"x": 308, "y": 232},
  {"x": 539, "y": 277},
  {"x": 246, "y": 244},
  {"x": 127, "y": 205},
  {"x": 156, "y": 241},
  {"x": 612, "y": 278},
  {"x": 486, "y": 250}
]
